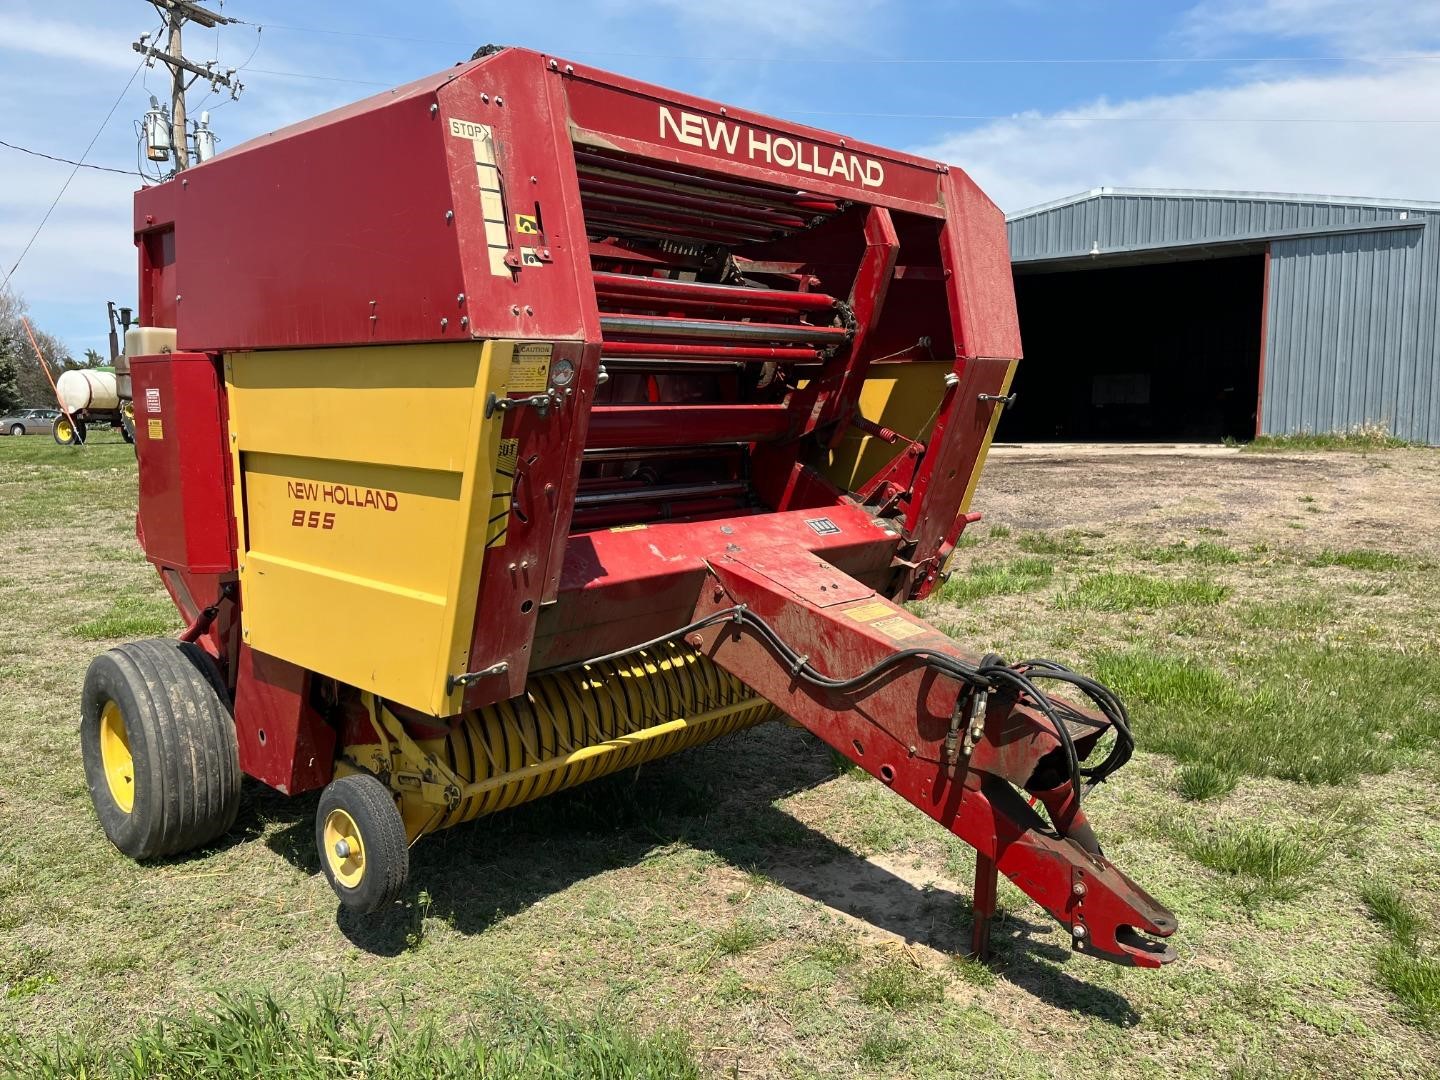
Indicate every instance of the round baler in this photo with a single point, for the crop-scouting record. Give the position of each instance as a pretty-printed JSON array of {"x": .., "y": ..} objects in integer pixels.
[{"x": 527, "y": 423}]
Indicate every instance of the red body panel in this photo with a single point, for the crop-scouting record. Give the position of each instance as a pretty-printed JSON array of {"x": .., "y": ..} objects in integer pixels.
[
  {"x": 184, "y": 463},
  {"x": 284, "y": 741}
]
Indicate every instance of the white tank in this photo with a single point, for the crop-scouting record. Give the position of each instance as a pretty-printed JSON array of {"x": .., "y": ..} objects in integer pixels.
[{"x": 85, "y": 389}]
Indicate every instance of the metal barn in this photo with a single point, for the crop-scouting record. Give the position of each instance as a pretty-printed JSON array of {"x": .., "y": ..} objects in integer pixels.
[{"x": 1164, "y": 314}]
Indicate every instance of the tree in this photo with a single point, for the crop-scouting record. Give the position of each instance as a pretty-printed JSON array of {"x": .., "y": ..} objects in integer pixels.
[
  {"x": 93, "y": 359},
  {"x": 9, "y": 372},
  {"x": 32, "y": 385}
]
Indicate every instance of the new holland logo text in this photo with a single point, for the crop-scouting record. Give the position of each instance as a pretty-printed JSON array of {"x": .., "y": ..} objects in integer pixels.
[
  {"x": 342, "y": 495},
  {"x": 741, "y": 140}
]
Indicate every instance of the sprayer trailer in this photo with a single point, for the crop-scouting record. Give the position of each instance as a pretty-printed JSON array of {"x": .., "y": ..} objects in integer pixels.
[{"x": 674, "y": 406}]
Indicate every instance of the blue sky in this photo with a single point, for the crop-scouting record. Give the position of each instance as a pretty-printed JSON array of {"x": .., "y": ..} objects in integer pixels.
[{"x": 1238, "y": 94}]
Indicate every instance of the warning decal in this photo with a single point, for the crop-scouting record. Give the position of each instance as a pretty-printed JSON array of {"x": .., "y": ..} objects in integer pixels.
[
  {"x": 156, "y": 429},
  {"x": 527, "y": 223},
  {"x": 530, "y": 367},
  {"x": 899, "y": 628},
  {"x": 500, "y": 493},
  {"x": 870, "y": 612}
]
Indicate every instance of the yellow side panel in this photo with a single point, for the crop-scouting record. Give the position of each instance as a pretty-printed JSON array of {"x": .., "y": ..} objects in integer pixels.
[
  {"x": 364, "y": 485},
  {"x": 989, "y": 438},
  {"x": 902, "y": 397}
]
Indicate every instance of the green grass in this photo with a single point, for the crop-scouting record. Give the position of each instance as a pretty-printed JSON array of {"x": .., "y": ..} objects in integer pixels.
[
  {"x": 253, "y": 1035},
  {"x": 1114, "y": 591},
  {"x": 1362, "y": 559},
  {"x": 1362, "y": 438},
  {"x": 997, "y": 579},
  {"x": 1201, "y": 780},
  {"x": 899, "y": 985},
  {"x": 1202, "y": 553},
  {"x": 130, "y": 617},
  {"x": 1414, "y": 980},
  {"x": 740, "y": 936},
  {"x": 1402, "y": 965},
  {"x": 1064, "y": 544},
  {"x": 882, "y": 1045},
  {"x": 999, "y": 532},
  {"x": 1270, "y": 863},
  {"x": 1393, "y": 911},
  {"x": 1300, "y": 614},
  {"x": 604, "y": 907},
  {"x": 1314, "y": 713}
]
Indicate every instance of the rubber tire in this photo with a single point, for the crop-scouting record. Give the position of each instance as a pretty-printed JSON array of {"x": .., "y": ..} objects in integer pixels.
[
  {"x": 387, "y": 851},
  {"x": 182, "y": 738},
  {"x": 17, "y": 429},
  {"x": 77, "y": 439},
  {"x": 127, "y": 430}
]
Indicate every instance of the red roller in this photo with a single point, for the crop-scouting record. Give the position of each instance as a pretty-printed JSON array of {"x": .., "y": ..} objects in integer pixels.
[
  {"x": 665, "y": 326},
  {"x": 669, "y": 288},
  {"x": 677, "y": 425},
  {"x": 676, "y": 350}
]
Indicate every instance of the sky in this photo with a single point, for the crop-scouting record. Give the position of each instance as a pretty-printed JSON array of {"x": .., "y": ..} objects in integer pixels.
[{"x": 1036, "y": 99}]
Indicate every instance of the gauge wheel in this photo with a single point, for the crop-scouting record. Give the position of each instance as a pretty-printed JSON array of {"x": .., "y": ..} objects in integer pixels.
[
  {"x": 361, "y": 840},
  {"x": 68, "y": 432},
  {"x": 158, "y": 741},
  {"x": 127, "y": 421}
]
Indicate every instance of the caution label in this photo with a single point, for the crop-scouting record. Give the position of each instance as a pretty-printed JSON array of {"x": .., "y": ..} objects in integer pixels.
[
  {"x": 530, "y": 367},
  {"x": 155, "y": 429},
  {"x": 527, "y": 223},
  {"x": 870, "y": 612},
  {"x": 899, "y": 628}
]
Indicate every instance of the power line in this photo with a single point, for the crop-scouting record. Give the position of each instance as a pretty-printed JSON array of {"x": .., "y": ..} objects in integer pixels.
[
  {"x": 78, "y": 165},
  {"x": 1012, "y": 117},
  {"x": 67, "y": 161},
  {"x": 833, "y": 59},
  {"x": 1062, "y": 118}
]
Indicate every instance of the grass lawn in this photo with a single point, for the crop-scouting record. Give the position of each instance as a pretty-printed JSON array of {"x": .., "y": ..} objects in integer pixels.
[{"x": 749, "y": 909}]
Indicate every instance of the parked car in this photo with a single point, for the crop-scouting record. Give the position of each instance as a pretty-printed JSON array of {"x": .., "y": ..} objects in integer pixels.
[{"x": 28, "y": 421}]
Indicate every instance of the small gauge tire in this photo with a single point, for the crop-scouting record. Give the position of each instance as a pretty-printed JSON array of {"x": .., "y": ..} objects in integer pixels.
[
  {"x": 161, "y": 758},
  {"x": 361, "y": 840},
  {"x": 67, "y": 433}
]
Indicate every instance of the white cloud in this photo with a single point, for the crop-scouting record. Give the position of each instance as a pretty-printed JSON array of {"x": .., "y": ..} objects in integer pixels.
[
  {"x": 1392, "y": 26},
  {"x": 64, "y": 41},
  {"x": 1208, "y": 139}
]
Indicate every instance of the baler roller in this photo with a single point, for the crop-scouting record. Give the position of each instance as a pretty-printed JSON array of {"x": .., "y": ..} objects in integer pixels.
[
  {"x": 689, "y": 352},
  {"x": 671, "y": 289},
  {"x": 630, "y": 194},
  {"x": 613, "y": 426},
  {"x": 660, "y": 493},
  {"x": 568, "y": 727},
  {"x": 663, "y": 326},
  {"x": 711, "y": 186}
]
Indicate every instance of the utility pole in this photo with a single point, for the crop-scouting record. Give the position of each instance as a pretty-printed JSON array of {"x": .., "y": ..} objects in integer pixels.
[{"x": 177, "y": 13}]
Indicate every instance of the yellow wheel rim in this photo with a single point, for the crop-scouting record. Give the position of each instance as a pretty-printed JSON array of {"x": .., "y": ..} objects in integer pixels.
[
  {"x": 344, "y": 848},
  {"x": 65, "y": 430},
  {"x": 127, "y": 411},
  {"x": 116, "y": 757}
]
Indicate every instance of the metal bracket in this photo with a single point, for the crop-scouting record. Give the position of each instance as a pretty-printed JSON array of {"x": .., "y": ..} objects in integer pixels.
[
  {"x": 539, "y": 402},
  {"x": 469, "y": 677},
  {"x": 1002, "y": 399}
]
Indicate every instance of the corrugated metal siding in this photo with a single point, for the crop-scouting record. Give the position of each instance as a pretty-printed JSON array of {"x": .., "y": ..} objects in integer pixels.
[
  {"x": 1352, "y": 335},
  {"x": 1123, "y": 222},
  {"x": 1353, "y": 317}
]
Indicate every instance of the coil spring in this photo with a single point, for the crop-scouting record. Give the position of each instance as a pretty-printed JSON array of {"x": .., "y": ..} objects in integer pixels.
[{"x": 570, "y": 710}]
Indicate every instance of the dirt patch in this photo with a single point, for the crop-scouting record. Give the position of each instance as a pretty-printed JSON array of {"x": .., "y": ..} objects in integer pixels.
[{"x": 1360, "y": 500}]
